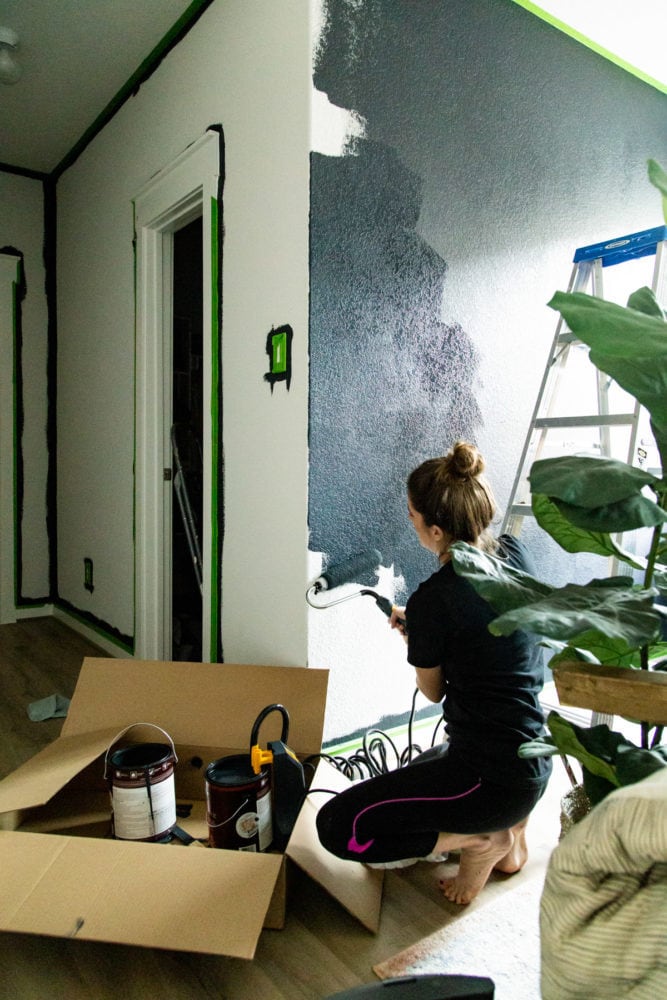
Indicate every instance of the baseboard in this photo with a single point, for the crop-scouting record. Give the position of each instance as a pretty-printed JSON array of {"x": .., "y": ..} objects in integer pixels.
[
  {"x": 33, "y": 611},
  {"x": 89, "y": 633}
]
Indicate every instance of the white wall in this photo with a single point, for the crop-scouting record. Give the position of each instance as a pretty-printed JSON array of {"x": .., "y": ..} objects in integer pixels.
[
  {"x": 22, "y": 227},
  {"x": 245, "y": 66}
]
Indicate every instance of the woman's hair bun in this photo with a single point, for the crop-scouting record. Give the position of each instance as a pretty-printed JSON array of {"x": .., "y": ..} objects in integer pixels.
[{"x": 465, "y": 461}]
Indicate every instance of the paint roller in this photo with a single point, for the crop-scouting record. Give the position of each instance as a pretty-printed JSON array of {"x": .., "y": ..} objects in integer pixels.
[{"x": 349, "y": 571}]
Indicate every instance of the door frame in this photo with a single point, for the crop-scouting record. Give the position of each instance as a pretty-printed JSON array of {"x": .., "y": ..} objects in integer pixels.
[
  {"x": 185, "y": 189},
  {"x": 9, "y": 281}
]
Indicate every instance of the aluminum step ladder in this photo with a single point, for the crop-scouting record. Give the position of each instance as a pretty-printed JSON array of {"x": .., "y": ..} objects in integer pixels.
[
  {"x": 553, "y": 430},
  {"x": 185, "y": 507},
  {"x": 610, "y": 424}
]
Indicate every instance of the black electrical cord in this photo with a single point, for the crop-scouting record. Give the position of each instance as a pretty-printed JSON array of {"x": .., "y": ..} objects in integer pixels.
[{"x": 373, "y": 758}]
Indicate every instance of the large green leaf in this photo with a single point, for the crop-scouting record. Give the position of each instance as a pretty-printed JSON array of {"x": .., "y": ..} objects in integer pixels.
[
  {"x": 624, "y": 515},
  {"x": 574, "y": 539},
  {"x": 628, "y": 344},
  {"x": 595, "y": 647},
  {"x": 644, "y": 300},
  {"x": 594, "y": 748},
  {"x": 565, "y": 653},
  {"x": 498, "y": 583},
  {"x": 608, "y": 759},
  {"x": 646, "y": 380},
  {"x": 584, "y": 480},
  {"x": 611, "y": 606},
  {"x": 614, "y": 330},
  {"x": 658, "y": 178},
  {"x": 657, "y": 651}
]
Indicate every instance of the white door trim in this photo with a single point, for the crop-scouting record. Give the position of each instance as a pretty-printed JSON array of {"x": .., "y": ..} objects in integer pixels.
[{"x": 185, "y": 189}]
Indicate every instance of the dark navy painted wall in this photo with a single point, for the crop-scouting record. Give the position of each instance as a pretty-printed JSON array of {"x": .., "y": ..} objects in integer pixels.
[{"x": 389, "y": 382}]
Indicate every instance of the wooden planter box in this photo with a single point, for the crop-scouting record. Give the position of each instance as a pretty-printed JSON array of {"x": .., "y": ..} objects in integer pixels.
[{"x": 632, "y": 694}]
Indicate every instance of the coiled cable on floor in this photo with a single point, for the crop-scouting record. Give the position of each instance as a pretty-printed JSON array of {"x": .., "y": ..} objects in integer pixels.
[{"x": 377, "y": 755}]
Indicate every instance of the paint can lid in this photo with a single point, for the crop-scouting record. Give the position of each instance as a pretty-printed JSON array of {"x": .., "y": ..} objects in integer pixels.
[
  {"x": 231, "y": 771},
  {"x": 142, "y": 755}
]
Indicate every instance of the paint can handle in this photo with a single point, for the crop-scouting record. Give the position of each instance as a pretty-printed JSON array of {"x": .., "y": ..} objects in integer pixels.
[{"x": 122, "y": 733}]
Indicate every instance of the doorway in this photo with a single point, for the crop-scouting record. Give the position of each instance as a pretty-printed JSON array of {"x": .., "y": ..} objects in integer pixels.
[
  {"x": 186, "y": 439},
  {"x": 179, "y": 381}
]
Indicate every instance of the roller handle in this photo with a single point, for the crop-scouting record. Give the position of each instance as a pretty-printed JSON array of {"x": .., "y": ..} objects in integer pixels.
[{"x": 385, "y": 605}]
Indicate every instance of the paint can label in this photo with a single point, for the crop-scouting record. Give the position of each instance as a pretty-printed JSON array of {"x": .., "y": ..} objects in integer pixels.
[
  {"x": 238, "y": 805},
  {"x": 136, "y": 817},
  {"x": 257, "y": 824}
]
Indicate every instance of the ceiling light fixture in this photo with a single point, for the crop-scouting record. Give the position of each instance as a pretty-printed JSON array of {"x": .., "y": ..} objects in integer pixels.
[{"x": 10, "y": 67}]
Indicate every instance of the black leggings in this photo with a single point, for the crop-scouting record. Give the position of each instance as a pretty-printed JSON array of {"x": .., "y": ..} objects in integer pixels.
[{"x": 400, "y": 814}]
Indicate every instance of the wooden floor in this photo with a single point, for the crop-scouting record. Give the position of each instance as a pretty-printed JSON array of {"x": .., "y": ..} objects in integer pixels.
[{"x": 321, "y": 951}]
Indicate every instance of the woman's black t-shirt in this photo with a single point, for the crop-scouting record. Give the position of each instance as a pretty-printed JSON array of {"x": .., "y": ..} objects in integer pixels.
[{"x": 492, "y": 682}]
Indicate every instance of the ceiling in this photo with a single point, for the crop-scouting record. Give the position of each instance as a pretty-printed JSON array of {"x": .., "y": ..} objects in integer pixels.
[{"x": 77, "y": 55}]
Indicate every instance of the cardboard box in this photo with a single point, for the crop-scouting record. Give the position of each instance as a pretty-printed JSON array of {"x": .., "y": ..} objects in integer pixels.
[{"x": 63, "y": 873}]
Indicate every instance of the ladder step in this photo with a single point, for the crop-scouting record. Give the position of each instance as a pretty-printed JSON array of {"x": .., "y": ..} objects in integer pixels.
[
  {"x": 594, "y": 420},
  {"x": 520, "y": 510}
]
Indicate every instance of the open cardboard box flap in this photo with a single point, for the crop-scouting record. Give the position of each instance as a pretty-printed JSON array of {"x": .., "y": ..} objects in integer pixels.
[
  {"x": 135, "y": 893},
  {"x": 198, "y": 703},
  {"x": 144, "y": 894},
  {"x": 356, "y": 887}
]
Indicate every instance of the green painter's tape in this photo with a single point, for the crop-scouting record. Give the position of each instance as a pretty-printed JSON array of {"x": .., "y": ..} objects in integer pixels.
[
  {"x": 591, "y": 44},
  {"x": 215, "y": 441},
  {"x": 279, "y": 362}
]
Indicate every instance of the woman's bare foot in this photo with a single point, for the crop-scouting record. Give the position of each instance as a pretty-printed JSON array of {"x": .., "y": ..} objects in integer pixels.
[
  {"x": 517, "y": 855},
  {"x": 479, "y": 856}
]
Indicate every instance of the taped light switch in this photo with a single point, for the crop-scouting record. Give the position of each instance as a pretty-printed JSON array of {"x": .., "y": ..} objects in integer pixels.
[{"x": 88, "y": 575}]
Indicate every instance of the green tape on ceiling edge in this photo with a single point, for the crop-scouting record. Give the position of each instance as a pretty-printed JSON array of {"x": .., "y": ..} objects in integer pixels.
[
  {"x": 555, "y": 22},
  {"x": 141, "y": 74}
]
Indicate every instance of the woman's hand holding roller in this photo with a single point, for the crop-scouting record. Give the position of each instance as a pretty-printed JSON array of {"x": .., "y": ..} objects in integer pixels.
[{"x": 397, "y": 621}]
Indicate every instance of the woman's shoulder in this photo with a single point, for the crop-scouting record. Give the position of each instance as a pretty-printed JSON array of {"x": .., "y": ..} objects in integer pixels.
[{"x": 441, "y": 580}]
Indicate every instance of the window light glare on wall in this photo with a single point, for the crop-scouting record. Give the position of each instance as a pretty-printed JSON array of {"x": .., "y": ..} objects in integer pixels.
[{"x": 10, "y": 67}]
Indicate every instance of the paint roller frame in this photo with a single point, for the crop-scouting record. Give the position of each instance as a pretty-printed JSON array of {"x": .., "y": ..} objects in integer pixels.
[
  {"x": 360, "y": 564},
  {"x": 345, "y": 572}
]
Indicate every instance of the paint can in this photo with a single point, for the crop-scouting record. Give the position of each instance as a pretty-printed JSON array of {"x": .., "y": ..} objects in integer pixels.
[
  {"x": 238, "y": 805},
  {"x": 141, "y": 785}
]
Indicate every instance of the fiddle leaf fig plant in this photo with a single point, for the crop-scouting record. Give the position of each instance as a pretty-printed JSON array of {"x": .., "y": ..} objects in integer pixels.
[
  {"x": 608, "y": 760},
  {"x": 583, "y": 501}
]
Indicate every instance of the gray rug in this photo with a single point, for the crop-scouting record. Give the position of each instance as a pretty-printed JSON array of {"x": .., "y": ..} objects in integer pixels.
[{"x": 499, "y": 939}]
